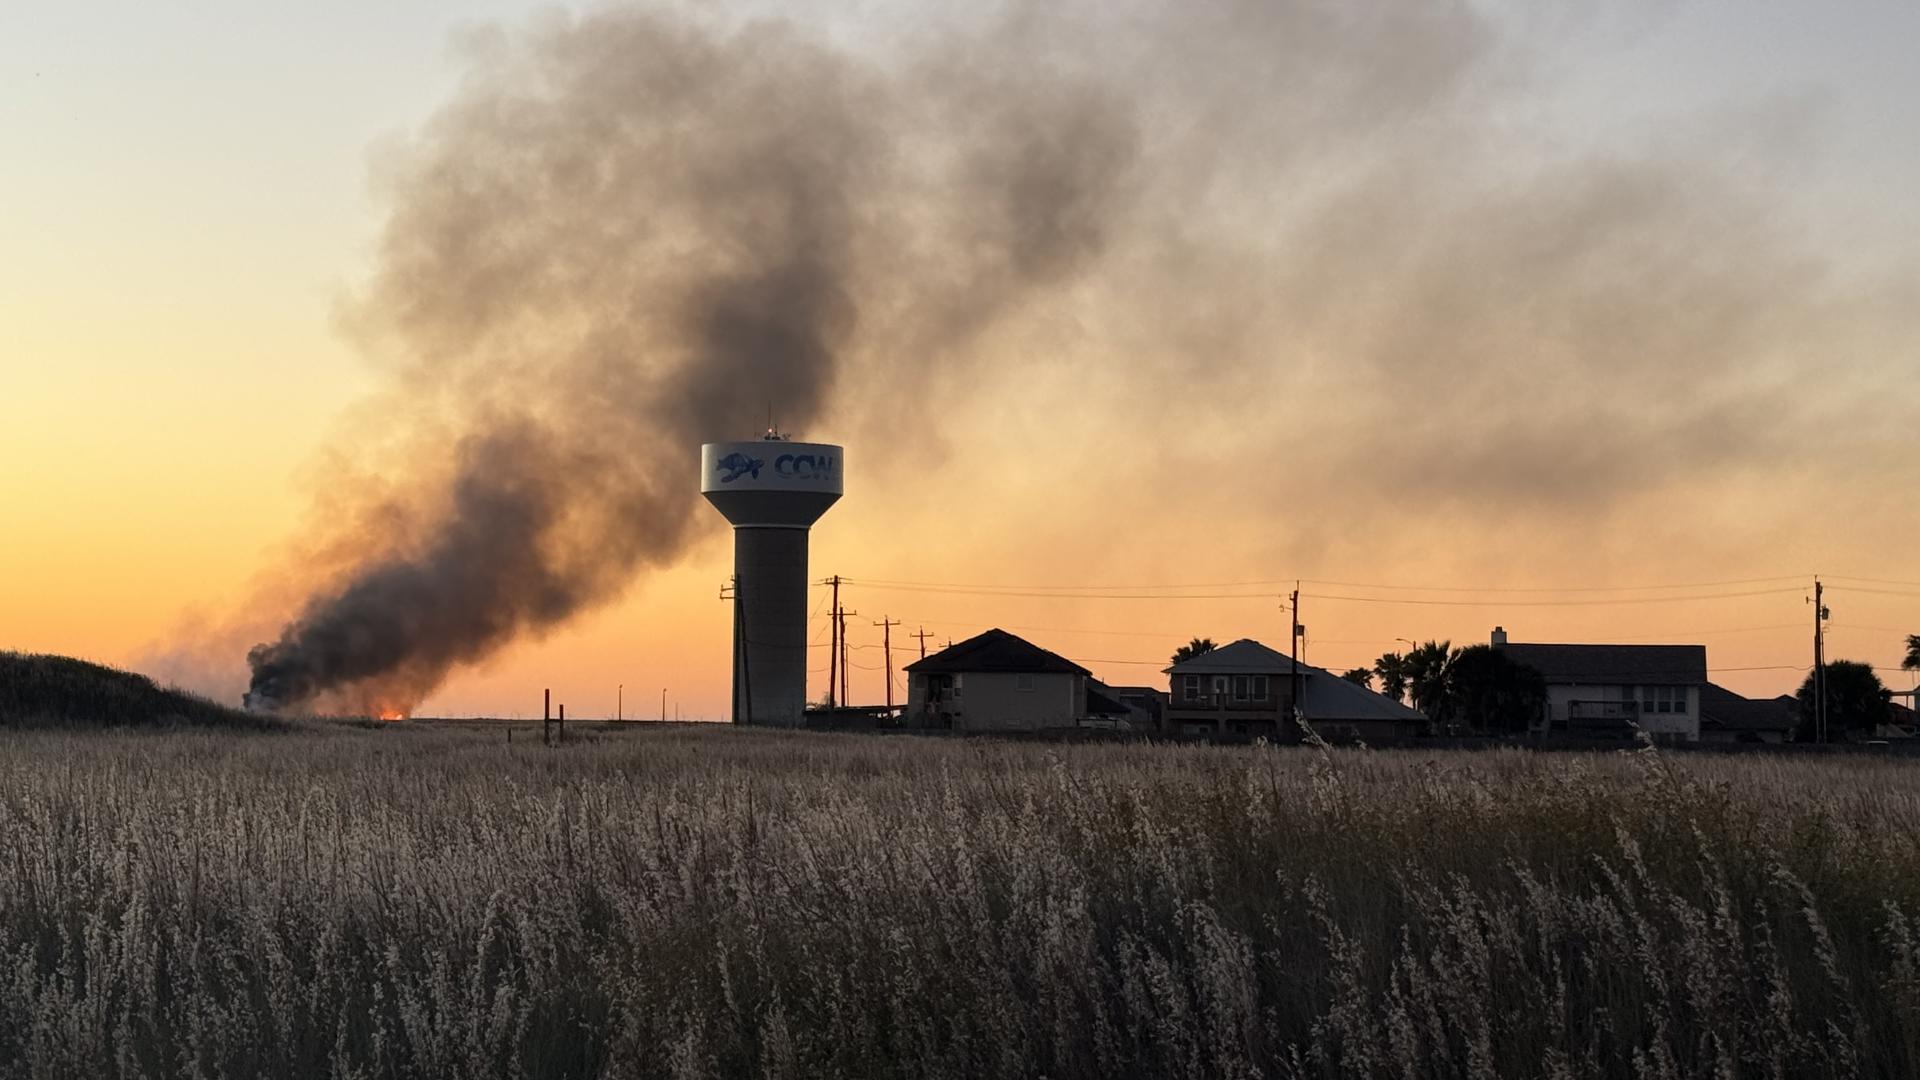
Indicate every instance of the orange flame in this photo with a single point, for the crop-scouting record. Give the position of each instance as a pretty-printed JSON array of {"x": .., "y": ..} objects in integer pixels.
[{"x": 392, "y": 714}]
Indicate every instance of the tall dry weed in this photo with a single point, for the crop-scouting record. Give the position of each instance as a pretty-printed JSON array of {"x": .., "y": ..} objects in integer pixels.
[{"x": 425, "y": 901}]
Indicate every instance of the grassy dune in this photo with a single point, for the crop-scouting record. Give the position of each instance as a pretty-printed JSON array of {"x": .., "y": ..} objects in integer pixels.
[
  {"x": 38, "y": 690},
  {"x": 430, "y": 901}
]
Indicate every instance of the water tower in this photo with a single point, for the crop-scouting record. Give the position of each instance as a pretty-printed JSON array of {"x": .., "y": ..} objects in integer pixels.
[{"x": 772, "y": 490}]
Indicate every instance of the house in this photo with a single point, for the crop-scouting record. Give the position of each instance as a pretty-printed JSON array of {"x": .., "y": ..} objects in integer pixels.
[
  {"x": 1106, "y": 710},
  {"x": 1727, "y": 717},
  {"x": 1148, "y": 706},
  {"x": 1246, "y": 688},
  {"x": 1901, "y": 722},
  {"x": 998, "y": 682},
  {"x": 1609, "y": 690},
  {"x": 1243, "y": 688}
]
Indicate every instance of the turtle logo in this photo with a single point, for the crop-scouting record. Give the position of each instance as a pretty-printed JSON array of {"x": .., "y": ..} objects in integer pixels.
[{"x": 738, "y": 465}]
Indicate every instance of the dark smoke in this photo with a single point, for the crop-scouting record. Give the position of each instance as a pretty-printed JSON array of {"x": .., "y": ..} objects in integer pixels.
[{"x": 629, "y": 235}]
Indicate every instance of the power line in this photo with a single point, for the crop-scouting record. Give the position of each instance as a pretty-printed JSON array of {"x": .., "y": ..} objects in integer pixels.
[
  {"x": 877, "y": 582},
  {"x": 965, "y": 590},
  {"x": 960, "y": 590},
  {"x": 1873, "y": 581},
  {"x": 1021, "y": 590},
  {"x": 1051, "y": 629},
  {"x": 1879, "y": 592},
  {"x": 1555, "y": 589},
  {"x": 1549, "y": 603}
]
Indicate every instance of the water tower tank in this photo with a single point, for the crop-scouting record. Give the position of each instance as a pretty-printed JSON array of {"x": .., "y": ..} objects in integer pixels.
[{"x": 772, "y": 491}]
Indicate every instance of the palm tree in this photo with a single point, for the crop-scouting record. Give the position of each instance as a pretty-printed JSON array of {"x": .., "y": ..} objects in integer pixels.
[
  {"x": 1193, "y": 648},
  {"x": 1359, "y": 677},
  {"x": 1856, "y": 701},
  {"x": 1427, "y": 668},
  {"x": 1912, "y": 662},
  {"x": 1392, "y": 669}
]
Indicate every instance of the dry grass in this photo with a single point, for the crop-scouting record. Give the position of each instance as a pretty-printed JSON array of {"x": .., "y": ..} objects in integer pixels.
[{"x": 431, "y": 902}]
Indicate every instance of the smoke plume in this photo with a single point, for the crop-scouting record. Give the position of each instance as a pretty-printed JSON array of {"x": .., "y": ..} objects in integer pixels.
[{"x": 629, "y": 235}]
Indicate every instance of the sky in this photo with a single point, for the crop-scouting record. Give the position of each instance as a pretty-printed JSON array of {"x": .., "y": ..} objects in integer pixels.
[{"x": 1600, "y": 328}]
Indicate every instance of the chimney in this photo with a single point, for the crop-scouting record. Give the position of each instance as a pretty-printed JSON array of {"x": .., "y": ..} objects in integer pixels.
[{"x": 1499, "y": 637}]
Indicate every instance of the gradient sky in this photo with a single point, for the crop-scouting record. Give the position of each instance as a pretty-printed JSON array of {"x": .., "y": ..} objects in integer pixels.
[{"x": 190, "y": 191}]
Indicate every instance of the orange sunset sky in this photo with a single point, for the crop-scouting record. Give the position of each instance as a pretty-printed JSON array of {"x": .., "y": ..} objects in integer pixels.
[{"x": 1600, "y": 329}]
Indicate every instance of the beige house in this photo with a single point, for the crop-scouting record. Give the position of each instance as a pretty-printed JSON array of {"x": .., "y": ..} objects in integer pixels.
[{"x": 999, "y": 682}]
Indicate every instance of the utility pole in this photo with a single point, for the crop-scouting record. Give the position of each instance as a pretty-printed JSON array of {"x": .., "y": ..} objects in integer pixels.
[
  {"x": 1294, "y": 635},
  {"x": 620, "y": 703},
  {"x": 923, "y": 636},
  {"x": 731, "y": 591},
  {"x": 833, "y": 647},
  {"x": 886, "y": 626},
  {"x": 1819, "y": 662},
  {"x": 663, "y": 704},
  {"x": 846, "y": 669}
]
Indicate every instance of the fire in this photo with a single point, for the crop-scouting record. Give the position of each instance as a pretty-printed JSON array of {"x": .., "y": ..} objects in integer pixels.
[{"x": 392, "y": 714}]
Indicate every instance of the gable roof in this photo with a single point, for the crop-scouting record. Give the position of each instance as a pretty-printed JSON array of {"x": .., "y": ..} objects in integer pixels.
[
  {"x": 1725, "y": 710},
  {"x": 998, "y": 651},
  {"x": 1651, "y": 665},
  {"x": 1243, "y": 657}
]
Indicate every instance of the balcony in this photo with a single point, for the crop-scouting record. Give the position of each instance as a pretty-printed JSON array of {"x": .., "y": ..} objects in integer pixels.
[
  {"x": 1603, "y": 715},
  {"x": 1223, "y": 703}
]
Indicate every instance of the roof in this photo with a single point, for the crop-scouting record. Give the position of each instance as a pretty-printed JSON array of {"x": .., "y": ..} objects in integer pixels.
[
  {"x": 998, "y": 651},
  {"x": 1725, "y": 710},
  {"x": 1243, "y": 657},
  {"x": 1327, "y": 696},
  {"x": 1650, "y": 665},
  {"x": 1099, "y": 704}
]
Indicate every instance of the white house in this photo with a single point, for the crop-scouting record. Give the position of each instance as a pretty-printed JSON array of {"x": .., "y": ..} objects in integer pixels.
[{"x": 1611, "y": 689}]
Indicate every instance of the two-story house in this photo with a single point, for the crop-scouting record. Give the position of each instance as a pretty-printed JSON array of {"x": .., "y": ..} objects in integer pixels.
[
  {"x": 998, "y": 682},
  {"x": 1608, "y": 690},
  {"x": 1246, "y": 688}
]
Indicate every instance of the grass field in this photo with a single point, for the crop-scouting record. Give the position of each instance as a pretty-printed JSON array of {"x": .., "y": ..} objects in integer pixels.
[{"x": 429, "y": 901}]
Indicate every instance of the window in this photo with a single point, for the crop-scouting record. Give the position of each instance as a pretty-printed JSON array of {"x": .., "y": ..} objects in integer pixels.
[
  {"x": 1220, "y": 686},
  {"x": 1192, "y": 687},
  {"x": 956, "y": 688},
  {"x": 1259, "y": 688},
  {"x": 1239, "y": 688},
  {"x": 1023, "y": 681},
  {"x": 1663, "y": 699}
]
